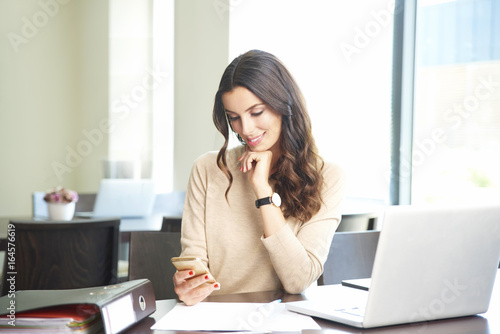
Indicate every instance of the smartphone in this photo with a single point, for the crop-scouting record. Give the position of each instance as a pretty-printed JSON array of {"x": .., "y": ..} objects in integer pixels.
[{"x": 191, "y": 263}]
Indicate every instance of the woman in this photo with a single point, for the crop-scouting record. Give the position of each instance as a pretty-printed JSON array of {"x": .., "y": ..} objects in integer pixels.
[{"x": 262, "y": 215}]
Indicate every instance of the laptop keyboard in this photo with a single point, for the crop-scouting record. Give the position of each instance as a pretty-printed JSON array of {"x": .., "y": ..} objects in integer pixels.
[{"x": 356, "y": 311}]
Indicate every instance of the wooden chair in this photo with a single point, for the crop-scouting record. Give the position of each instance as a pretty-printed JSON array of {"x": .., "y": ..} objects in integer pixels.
[
  {"x": 171, "y": 224},
  {"x": 62, "y": 254},
  {"x": 149, "y": 257},
  {"x": 351, "y": 256}
]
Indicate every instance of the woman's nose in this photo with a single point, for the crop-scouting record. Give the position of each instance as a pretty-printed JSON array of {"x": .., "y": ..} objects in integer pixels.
[{"x": 247, "y": 126}]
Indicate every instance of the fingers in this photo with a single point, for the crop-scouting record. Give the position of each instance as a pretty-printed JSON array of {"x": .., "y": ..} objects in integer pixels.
[
  {"x": 244, "y": 162},
  {"x": 199, "y": 293},
  {"x": 191, "y": 290},
  {"x": 182, "y": 275},
  {"x": 250, "y": 159},
  {"x": 247, "y": 164}
]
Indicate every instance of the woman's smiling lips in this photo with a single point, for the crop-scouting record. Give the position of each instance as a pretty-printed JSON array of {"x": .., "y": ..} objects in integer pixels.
[{"x": 255, "y": 140}]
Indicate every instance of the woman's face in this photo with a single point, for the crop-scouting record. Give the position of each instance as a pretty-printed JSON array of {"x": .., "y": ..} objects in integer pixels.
[{"x": 257, "y": 124}]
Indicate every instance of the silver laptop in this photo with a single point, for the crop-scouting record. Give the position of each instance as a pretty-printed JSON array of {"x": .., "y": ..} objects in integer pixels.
[
  {"x": 431, "y": 263},
  {"x": 126, "y": 198}
]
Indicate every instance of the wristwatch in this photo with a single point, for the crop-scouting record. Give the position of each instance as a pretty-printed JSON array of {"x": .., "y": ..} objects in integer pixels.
[{"x": 275, "y": 200}]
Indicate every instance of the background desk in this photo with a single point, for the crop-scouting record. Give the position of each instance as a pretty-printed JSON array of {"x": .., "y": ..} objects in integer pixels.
[
  {"x": 487, "y": 323},
  {"x": 127, "y": 225}
]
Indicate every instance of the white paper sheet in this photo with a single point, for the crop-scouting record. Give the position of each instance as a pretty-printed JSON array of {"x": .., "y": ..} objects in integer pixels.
[{"x": 234, "y": 317}]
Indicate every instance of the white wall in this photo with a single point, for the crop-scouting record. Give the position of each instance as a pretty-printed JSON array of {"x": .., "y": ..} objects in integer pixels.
[
  {"x": 93, "y": 92},
  {"x": 54, "y": 93},
  {"x": 53, "y": 86},
  {"x": 201, "y": 55}
]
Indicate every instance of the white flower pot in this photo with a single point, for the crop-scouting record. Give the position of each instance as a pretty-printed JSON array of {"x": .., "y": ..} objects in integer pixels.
[{"x": 61, "y": 211}]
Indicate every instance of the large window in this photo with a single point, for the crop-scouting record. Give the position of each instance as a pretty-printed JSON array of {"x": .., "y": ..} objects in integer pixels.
[
  {"x": 141, "y": 91},
  {"x": 341, "y": 56},
  {"x": 456, "y": 139}
]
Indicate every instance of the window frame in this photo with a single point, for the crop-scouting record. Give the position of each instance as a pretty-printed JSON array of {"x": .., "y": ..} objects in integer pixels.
[{"x": 402, "y": 101}]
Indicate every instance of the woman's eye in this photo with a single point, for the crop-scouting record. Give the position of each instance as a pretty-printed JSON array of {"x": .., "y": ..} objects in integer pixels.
[
  {"x": 232, "y": 119},
  {"x": 257, "y": 113}
]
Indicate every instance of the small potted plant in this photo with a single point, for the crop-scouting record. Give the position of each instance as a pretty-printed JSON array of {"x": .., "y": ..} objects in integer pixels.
[{"x": 61, "y": 203}]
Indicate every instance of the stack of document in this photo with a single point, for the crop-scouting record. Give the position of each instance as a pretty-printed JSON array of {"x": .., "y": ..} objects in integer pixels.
[
  {"x": 210, "y": 316},
  {"x": 81, "y": 318}
]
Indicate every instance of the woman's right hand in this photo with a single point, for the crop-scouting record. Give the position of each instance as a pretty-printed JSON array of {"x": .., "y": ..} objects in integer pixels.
[{"x": 192, "y": 290}]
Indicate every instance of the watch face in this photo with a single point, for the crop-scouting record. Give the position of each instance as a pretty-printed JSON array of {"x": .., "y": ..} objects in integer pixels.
[{"x": 276, "y": 199}]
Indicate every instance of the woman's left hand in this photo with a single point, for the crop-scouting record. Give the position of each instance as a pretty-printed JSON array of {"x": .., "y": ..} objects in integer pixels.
[{"x": 258, "y": 167}]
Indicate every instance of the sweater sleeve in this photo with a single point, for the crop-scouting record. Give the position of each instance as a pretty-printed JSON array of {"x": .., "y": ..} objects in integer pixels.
[
  {"x": 193, "y": 237},
  {"x": 298, "y": 255}
]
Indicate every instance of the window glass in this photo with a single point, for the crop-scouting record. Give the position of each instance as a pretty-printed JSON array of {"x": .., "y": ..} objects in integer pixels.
[
  {"x": 456, "y": 143},
  {"x": 340, "y": 53},
  {"x": 141, "y": 35}
]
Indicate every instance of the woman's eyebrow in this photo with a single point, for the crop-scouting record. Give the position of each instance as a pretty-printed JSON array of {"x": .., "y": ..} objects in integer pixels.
[
  {"x": 248, "y": 109},
  {"x": 255, "y": 105}
]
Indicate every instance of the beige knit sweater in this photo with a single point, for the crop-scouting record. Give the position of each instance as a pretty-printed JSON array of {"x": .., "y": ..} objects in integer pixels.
[{"x": 228, "y": 237}]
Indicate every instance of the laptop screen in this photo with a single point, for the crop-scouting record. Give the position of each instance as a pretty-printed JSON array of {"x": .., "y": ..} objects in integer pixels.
[{"x": 124, "y": 198}]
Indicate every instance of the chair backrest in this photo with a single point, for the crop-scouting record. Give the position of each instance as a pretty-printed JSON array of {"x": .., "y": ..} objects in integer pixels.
[
  {"x": 63, "y": 255},
  {"x": 149, "y": 257},
  {"x": 171, "y": 224},
  {"x": 358, "y": 222},
  {"x": 351, "y": 256}
]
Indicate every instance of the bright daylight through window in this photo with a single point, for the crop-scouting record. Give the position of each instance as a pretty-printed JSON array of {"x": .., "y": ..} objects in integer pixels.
[
  {"x": 340, "y": 53},
  {"x": 456, "y": 143}
]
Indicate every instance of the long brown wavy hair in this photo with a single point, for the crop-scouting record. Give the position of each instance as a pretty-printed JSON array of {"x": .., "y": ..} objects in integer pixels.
[{"x": 298, "y": 177}]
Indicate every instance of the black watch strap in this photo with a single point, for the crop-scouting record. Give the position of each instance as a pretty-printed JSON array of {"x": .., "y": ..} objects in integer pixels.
[{"x": 263, "y": 201}]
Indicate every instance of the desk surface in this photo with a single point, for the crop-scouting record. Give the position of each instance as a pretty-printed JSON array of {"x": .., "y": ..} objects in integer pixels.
[
  {"x": 151, "y": 223},
  {"x": 485, "y": 323}
]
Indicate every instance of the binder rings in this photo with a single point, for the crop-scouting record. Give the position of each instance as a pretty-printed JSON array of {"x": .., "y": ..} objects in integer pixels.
[{"x": 121, "y": 305}]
